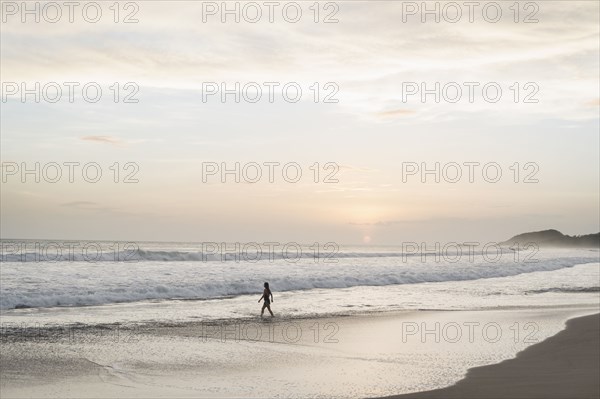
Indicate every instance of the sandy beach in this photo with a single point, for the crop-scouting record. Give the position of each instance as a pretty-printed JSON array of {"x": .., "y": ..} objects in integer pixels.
[
  {"x": 374, "y": 355},
  {"x": 566, "y": 365}
]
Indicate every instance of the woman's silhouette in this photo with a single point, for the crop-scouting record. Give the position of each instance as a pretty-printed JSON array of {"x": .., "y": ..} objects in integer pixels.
[{"x": 268, "y": 297}]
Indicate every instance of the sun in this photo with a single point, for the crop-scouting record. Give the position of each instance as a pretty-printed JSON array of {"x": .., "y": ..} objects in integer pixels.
[{"x": 367, "y": 239}]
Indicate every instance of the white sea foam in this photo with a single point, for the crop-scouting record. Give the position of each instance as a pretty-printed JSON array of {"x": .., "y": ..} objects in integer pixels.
[{"x": 76, "y": 283}]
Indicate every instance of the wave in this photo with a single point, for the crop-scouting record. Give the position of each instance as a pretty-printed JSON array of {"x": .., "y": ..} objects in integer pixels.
[
  {"x": 83, "y": 284},
  {"x": 241, "y": 254},
  {"x": 569, "y": 290}
]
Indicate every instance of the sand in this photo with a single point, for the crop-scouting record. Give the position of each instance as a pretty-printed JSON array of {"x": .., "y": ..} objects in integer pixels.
[
  {"x": 353, "y": 356},
  {"x": 566, "y": 365}
]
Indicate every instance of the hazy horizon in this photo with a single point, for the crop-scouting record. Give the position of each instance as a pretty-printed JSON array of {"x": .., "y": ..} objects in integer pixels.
[{"x": 497, "y": 240}]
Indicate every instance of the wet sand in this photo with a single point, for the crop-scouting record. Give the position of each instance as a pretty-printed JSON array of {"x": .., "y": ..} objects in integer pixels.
[
  {"x": 566, "y": 365},
  {"x": 374, "y": 355}
]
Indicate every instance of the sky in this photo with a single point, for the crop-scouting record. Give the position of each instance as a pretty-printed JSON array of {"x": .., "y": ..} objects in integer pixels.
[{"x": 370, "y": 140}]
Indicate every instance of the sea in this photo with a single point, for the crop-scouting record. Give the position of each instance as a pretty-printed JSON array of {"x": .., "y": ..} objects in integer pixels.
[{"x": 103, "y": 281}]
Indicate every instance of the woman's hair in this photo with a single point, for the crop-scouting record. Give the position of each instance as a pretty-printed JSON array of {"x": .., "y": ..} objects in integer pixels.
[{"x": 266, "y": 285}]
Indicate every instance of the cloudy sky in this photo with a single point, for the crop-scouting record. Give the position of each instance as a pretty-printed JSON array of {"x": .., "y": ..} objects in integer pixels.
[{"x": 372, "y": 57}]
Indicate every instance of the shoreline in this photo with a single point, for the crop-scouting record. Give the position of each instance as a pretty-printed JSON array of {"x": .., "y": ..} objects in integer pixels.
[
  {"x": 356, "y": 356},
  {"x": 566, "y": 365}
]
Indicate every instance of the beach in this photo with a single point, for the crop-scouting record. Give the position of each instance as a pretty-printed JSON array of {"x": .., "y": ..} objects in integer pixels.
[
  {"x": 566, "y": 365},
  {"x": 369, "y": 355},
  {"x": 376, "y": 323}
]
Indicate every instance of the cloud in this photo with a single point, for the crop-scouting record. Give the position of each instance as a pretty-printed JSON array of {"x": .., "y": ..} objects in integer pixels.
[
  {"x": 169, "y": 49},
  {"x": 386, "y": 223},
  {"x": 88, "y": 206},
  {"x": 79, "y": 204},
  {"x": 593, "y": 103},
  {"x": 395, "y": 113},
  {"x": 96, "y": 208},
  {"x": 104, "y": 139},
  {"x": 381, "y": 223},
  {"x": 344, "y": 167}
]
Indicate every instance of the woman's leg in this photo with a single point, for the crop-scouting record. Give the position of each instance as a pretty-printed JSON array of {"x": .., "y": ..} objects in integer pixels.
[{"x": 269, "y": 307}]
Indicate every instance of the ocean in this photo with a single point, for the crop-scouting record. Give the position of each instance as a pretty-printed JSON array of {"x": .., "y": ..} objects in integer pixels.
[
  {"x": 161, "y": 281},
  {"x": 182, "y": 319}
]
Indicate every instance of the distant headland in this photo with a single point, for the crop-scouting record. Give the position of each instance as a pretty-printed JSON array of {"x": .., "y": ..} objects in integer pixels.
[{"x": 554, "y": 238}]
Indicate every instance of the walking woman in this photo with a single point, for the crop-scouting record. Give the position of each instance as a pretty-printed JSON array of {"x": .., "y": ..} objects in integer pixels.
[{"x": 268, "y": 297}]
